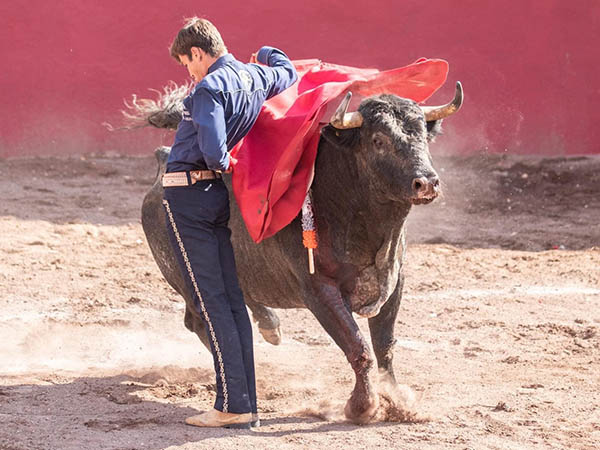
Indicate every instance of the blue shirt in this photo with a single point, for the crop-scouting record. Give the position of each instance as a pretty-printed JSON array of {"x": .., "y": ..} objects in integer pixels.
[{"x": 223, "y": 106}]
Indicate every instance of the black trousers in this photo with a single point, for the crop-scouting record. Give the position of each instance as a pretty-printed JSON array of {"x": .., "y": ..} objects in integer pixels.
[{"x": 197, "y": 219}]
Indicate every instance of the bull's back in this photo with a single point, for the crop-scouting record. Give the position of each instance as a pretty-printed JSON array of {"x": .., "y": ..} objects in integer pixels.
[{"x": 155, "y": 227}]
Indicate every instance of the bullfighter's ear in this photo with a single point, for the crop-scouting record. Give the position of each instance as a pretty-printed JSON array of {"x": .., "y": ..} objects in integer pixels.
[
  {"x": 341, "y": 138},
  {"x": 434, "y": 129}
]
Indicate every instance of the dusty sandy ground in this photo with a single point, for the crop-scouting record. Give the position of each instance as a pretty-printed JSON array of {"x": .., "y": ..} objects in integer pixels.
[{"x": 498, "y": 333}]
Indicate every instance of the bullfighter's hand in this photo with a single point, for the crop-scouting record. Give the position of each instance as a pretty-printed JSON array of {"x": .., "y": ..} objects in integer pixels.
[
  {"x": 253, "y": 59},
  {"x": 232, "y": 162}
]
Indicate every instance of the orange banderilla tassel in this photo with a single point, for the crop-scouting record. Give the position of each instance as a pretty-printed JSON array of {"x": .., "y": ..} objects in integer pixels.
[{"x": 309, "y": 234}]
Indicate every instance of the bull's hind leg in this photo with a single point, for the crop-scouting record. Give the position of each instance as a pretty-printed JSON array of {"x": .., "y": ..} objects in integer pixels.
[
  {"x": 195, "y": 324},
  {"x": 268, "y": 322},
  {"x": 333, "y": 314},
  {"x": 381, "y": 328}
]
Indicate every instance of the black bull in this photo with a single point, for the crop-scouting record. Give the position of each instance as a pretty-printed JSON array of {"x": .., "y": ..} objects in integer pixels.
[{"x": 366, "y": 180}]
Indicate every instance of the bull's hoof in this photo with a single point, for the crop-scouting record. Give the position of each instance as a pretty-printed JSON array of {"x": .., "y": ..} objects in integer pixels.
[
  {"x": 271, "y": 335},
  {"x": 361, "y": 411}
]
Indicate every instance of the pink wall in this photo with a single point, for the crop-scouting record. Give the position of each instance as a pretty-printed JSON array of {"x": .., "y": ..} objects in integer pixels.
[{"x": 530, "y": 68}]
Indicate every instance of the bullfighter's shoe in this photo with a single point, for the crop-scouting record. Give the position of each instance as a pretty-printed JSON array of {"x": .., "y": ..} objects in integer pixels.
[
  {"x": 255, "y": 421},
  {"x": 216, "y": 418}
]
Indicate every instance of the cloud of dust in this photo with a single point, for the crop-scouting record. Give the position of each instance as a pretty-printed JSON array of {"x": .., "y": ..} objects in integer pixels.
[
  {"x": 397, "y": 403},
  {"x": 33, "y": 345}
]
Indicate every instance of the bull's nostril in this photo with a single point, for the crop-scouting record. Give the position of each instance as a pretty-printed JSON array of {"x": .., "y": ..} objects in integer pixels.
[
  {"x": 419, "y": 184},
  {"x": 436, "y": 182}
]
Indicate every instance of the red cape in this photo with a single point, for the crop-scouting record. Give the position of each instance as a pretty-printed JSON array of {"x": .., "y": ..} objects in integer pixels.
[{"x": 276, "y": 159}]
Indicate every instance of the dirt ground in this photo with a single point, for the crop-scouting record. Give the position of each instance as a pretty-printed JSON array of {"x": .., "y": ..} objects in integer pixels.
[{"x": 498, "y": 332}]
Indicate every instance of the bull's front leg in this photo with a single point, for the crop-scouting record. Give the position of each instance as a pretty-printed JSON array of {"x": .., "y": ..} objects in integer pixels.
[
  {"x": 334, "y": 315},
  {"x": 381, "y": 328}
]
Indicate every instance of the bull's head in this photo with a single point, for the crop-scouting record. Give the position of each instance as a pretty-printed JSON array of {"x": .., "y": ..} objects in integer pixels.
[{"x": 390, "y": 138}]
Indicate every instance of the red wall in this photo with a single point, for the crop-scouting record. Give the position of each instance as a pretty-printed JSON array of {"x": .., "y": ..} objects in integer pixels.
[{"x": 530, "y": 68}]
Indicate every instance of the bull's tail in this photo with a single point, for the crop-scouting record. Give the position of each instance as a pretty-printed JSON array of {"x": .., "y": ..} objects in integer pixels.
[{"x": 164, "y": 112}]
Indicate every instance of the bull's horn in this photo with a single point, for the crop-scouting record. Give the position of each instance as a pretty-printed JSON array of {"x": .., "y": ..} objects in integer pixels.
[
  {"x": 440, "y": 112},
  {"x": 342, "y": 120}
]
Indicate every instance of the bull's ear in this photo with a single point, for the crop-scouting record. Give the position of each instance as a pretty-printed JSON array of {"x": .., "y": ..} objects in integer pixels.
[
  {"x": 341, "y": 138},
  {"x": 434, "y": 129}
]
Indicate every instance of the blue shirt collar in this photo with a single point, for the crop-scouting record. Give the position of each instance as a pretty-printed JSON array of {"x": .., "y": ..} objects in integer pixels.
[{"x": 223, "y": 60}]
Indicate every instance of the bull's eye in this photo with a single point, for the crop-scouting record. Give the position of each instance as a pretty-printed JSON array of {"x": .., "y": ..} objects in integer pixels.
[{"x": 377, "y": 142}]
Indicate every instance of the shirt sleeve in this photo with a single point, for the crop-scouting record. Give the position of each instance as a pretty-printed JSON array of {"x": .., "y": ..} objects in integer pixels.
[
  {"x": 284, "y": 72},
  {"x": 209, "y": 120}
]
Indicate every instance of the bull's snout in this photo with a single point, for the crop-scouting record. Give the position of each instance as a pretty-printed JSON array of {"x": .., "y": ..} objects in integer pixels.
[{"x": 425, "y": 189}]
